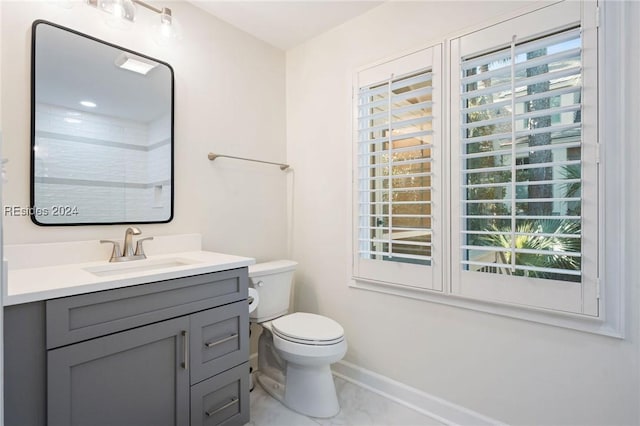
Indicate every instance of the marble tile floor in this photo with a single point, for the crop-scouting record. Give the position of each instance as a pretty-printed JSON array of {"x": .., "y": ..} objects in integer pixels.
[{"x": 359, "y": 407}]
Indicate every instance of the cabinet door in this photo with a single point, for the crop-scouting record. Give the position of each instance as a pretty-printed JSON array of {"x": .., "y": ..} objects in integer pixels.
[
  {"x": 219, "y": 340},
  {"x": 133, "y": 378},
  {"x": 223, "y": 399}
]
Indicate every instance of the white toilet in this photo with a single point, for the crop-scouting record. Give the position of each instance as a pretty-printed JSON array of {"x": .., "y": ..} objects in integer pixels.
[{"x": 294, "y": 350}]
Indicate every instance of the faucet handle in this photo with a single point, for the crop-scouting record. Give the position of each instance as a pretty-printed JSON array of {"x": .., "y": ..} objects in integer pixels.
[
  {"x": 139, "y": 248},
  {"x": 116, "y": 249}
]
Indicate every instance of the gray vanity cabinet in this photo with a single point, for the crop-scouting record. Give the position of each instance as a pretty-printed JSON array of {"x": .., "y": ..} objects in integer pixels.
[
  {"x": 130, "y": 378},
  {"x": 171, "y": 353}
]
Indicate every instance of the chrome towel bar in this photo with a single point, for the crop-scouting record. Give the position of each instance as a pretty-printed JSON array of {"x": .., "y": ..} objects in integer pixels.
[{"x": 213, "y": 156}]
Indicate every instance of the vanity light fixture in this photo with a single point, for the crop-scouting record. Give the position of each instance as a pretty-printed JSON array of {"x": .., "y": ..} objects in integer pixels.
[
  {"x": 134, "y": 63},
  {"x": 120, "y": 9},
  {"x": 125, "y": 12}
]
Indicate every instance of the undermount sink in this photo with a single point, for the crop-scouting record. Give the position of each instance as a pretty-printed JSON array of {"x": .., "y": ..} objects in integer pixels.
[{"x": 134, "y": 266}]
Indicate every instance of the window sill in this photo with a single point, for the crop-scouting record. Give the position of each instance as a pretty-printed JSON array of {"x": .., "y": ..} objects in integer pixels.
[{"x": 553, "y": 318}]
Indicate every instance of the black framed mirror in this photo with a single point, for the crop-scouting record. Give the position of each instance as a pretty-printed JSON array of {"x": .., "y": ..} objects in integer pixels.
[{"x": 101, "y": 131}]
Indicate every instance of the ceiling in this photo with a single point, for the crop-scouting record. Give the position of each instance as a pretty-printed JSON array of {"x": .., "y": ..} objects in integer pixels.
[{"x": 285, "y": 24}]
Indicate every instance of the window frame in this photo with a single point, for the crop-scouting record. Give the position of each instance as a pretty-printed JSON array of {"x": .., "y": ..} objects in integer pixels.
[{"x": 609, "y": 22}]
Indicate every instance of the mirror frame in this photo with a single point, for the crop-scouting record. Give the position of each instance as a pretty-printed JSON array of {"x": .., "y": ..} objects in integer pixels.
[{"x": 33, "y": 126}]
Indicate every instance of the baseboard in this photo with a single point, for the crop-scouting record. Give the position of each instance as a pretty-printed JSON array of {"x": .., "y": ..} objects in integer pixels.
[{"x": 429, "y": 405}]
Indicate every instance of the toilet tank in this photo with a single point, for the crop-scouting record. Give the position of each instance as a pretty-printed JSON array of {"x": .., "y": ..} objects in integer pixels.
[{"x": 273, "y": 282}]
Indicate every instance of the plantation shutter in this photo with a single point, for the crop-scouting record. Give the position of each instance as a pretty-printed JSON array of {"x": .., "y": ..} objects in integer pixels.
[
  {"x": 522, "y": 159},
  {"x": 523, "y": 175},
  {"x": 396, "y": 154}
]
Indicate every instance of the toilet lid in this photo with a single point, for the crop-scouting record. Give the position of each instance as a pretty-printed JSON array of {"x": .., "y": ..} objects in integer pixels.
[{"x": 306, "y": 327}]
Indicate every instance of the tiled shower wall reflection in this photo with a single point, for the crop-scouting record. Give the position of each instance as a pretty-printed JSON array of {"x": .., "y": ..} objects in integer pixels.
[{"x": 105, "y": 166}]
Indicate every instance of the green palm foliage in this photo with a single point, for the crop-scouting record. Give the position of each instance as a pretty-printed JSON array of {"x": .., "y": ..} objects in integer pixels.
[
  {"x": 572, "y": 172},
  {"x": 559, "y": 236}
]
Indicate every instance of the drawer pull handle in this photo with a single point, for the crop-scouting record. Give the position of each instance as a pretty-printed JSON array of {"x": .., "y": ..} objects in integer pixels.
[
  {"x": 185, "y": 349},
  {"x": 227, "y": 405},
  {"x": 221, "y": 341}
]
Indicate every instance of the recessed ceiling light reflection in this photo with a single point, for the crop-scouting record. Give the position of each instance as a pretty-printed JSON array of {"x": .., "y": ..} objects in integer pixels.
[{"x": 88, "y": 104}]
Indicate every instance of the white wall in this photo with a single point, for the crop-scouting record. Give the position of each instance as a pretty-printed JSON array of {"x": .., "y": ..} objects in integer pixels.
[
  {"x": 515, "y": 371},
  {"x": 229, "y": 98}
]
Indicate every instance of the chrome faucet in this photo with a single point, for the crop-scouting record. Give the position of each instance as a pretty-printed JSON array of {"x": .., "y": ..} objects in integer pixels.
[
  {"x": 128, "y": 253},
  {"x": 128, "y": 244}
]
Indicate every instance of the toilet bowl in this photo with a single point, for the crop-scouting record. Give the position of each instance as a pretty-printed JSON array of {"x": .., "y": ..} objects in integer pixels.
[{"x": 295, "y": 350}]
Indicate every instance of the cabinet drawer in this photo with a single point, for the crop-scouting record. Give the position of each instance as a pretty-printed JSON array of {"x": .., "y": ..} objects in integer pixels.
[
  {"x": 77, "y": 318},
  {"x": 219, "y": 340},
  {"x": 223, "y": 399}
]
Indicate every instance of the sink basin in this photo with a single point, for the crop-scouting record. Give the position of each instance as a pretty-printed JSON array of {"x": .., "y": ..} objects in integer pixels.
[{"x": 137, "y": 266}]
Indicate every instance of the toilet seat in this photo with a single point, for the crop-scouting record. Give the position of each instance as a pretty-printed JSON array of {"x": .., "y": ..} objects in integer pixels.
[{"x": 308, "y": 329}]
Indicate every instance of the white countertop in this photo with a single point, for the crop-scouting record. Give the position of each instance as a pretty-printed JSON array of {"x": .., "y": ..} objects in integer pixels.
[{"x": 40, "y": 283}]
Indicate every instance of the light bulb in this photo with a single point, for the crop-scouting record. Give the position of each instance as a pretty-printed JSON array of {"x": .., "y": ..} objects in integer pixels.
[
  {"x": 121, "y": 13},
  {"x": 118, "y": 11},
  {"x": 167, "y": 30}
]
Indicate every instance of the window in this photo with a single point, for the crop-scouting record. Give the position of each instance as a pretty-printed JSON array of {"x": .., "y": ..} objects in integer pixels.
[
  {"x": 398, "y": 145},
  {"x": 521, "y": 202},
  {"x": 526, "y": 185}
]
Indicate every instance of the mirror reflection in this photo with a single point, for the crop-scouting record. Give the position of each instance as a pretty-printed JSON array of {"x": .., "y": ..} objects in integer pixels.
[{"x": 102, "y": 132}]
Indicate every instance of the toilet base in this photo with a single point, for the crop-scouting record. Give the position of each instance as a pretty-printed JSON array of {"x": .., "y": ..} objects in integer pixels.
[
  {"x": 272, "y": 387},
  {"x": 318, "y": 400},
  {"x": 310, "y": 390}
]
